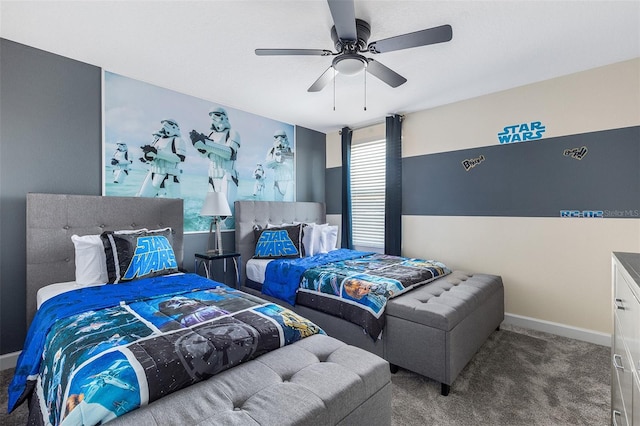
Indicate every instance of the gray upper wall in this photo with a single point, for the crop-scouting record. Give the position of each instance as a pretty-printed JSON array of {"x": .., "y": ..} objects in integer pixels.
[
  {"x": 51, "y": 142},
  {"x": 530, "y": 179},
  {"x": 586, "y": 174}
]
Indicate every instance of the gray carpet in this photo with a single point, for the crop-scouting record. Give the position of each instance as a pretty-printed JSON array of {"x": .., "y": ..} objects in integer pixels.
[{"x": 518, "y": 377}]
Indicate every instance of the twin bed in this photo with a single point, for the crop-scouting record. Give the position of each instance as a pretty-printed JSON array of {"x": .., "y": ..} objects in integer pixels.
[
  {"x": 159, "y": 346},
  {"x": 433, "y": 329}
]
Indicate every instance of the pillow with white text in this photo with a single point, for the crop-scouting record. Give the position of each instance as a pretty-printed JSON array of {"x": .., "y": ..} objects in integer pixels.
[
  {"x": 139, "y": 255},
  {"x": 278, "y": 242}
]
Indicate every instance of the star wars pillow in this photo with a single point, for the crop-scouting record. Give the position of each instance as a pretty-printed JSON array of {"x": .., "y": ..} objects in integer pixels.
[
  {"x": 139, "y": 255},
  {"x": 278, "y": 243}
]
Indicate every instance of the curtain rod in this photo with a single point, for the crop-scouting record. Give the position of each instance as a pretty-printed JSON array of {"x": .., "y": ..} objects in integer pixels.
[{"x": 370, "y": 125}]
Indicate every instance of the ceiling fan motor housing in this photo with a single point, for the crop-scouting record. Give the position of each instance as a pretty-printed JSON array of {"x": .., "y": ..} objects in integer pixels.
[{"x": 363, "y": 31}]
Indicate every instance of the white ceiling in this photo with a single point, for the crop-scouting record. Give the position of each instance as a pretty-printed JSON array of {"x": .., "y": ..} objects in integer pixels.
[{"x": 206, "y": 49}]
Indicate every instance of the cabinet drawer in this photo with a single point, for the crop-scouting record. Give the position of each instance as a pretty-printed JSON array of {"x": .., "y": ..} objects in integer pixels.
[
  {"x": 627, "y": 309},
  {"x": 636, "y": 401},
  {"x": 622, "y": 373},
  {"x": 618, "y": 414}
]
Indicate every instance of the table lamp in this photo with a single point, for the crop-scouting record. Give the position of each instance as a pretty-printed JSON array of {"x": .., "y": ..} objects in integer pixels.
[{"x": 215, "y": 205}]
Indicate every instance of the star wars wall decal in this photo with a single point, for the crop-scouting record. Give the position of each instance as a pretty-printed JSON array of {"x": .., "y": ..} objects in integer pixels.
[
  {"x": 576, "y": 153},
  {"x": 470, "y": 164},
  {"x": 521, "y": 132}
]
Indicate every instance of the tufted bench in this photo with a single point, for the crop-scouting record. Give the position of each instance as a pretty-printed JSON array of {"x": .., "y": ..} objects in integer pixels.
[
  {"x": 436, "y": 329},
  {"x": 316, "y": 381}
]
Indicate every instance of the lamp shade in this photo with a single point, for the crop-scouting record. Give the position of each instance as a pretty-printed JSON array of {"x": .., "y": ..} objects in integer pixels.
[{"x": 215, "y": 204}]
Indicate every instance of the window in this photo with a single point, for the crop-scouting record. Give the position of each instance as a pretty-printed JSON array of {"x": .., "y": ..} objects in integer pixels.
[{"x": 368, "y": 161}]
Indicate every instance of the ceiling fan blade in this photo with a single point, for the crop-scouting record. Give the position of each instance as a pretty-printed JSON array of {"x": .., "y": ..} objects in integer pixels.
[
  {"x": 419, "y": 38},
  {"x": 385, "y": 73},
  {"x": 344, "y": 18},
  {"x": 323, "y": 80},
  {"x": 311, "y": 52}
]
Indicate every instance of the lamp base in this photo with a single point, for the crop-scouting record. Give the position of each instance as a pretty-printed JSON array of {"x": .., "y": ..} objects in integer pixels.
[{"x": 217, "y": 248}]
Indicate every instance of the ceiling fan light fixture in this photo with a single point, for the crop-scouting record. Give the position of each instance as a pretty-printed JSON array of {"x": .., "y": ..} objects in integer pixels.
[{"x": 350, "y": 64}]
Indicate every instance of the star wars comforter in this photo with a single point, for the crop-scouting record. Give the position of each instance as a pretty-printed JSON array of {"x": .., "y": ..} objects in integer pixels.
[
  {"x": 349, "y": 284},
  {"x": 96, "y": 353}
]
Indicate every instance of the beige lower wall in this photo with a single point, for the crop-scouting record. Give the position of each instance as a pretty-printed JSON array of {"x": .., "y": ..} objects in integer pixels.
[{"x": 554, "y": 269}]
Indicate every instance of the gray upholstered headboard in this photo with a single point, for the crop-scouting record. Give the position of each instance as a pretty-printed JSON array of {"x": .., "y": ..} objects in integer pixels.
[
  {"x": 53, "y": 218},
  {"x": 249, "y": 213}
]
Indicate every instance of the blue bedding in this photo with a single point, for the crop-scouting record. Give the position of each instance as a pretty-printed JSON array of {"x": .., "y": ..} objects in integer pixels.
[
  {"x": 96, "y": 353},
  {"x": 349, "y": 284},
  {"x": 283, "y": 276}
]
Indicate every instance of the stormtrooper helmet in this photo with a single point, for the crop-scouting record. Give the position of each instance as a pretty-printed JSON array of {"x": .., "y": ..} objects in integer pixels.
[
  {"x": 219, "y": 119},
  {"x": 169, "y": 128},
  {"x": 120, "y": 146},
  {"x": 280, "y": 139}
]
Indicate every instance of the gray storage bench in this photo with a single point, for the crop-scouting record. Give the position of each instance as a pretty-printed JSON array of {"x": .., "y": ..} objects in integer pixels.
[
  {"x": 436, "y": 329},
  {"x": 318, "y": 380}
]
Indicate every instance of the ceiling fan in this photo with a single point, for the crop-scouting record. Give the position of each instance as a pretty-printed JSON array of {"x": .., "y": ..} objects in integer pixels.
[{"x": 350, "y": 36}]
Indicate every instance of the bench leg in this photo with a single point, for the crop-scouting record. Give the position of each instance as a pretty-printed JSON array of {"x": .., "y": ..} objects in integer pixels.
[
  {"x": 393, "y": 368},
  {"x": 444, "y": 389}
]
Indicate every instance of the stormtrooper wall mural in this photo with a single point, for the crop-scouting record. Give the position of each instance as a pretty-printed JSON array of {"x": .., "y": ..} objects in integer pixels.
[{"x": 161, "y": 143}]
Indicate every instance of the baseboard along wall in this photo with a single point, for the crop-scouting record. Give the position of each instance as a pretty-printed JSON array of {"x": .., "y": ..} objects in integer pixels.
[
  {"x": 558, "y": 329},
  {"x": 9, "y": 360}
]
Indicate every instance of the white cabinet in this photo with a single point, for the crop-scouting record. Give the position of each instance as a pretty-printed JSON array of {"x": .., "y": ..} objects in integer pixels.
[
  {"x": 636, "y": 402},
  {"x": 625, "y": 345}
]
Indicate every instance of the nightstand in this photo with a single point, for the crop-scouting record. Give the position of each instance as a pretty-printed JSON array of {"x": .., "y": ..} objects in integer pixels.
[{"x": 206, "y": 260}]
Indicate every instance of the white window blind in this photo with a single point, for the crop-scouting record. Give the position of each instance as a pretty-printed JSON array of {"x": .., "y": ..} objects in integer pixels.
[{"x": 367, "y": 193}]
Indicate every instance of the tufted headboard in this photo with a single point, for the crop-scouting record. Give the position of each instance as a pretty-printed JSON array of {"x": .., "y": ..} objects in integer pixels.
[
  {"x": 249, "y": 213},
  {"x": 53, "y": 218}
]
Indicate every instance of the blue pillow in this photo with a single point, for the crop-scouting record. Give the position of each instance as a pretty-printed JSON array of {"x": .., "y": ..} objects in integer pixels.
[
  {"x": 139, "y": 255},
  {"x": 278, "y": 243}
]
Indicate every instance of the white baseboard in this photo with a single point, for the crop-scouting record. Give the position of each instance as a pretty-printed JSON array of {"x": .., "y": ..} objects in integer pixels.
[
  {"x": 558, "y": 329},
  {"x": 8, "y": 361}
]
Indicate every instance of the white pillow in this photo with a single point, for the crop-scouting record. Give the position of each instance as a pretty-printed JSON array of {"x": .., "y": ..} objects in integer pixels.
[
  {"x": 309, "y": 239},
  {"x": 318, "y": 241},
  {"x": 332, "y": 237},
  {"x": 91, "y": 262},
  {"x": 328, "y": 239}
]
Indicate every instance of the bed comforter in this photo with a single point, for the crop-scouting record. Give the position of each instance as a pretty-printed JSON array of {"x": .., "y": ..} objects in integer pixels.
[
  {"x": 96, "y": 353},
  {"x": 350, "y": 284}
]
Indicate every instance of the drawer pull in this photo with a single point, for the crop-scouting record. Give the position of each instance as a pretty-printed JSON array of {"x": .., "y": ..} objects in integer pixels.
[
  {"x": 618, "y": 304},
  {"x": 617, "y": 362},
  {"x": 616, "y": 413}
]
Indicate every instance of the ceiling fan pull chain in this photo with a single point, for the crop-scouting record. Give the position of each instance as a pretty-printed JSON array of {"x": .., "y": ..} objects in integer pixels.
[
  {"x": 365, "y": 89},
  {"x": 334, "y": 89}
]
